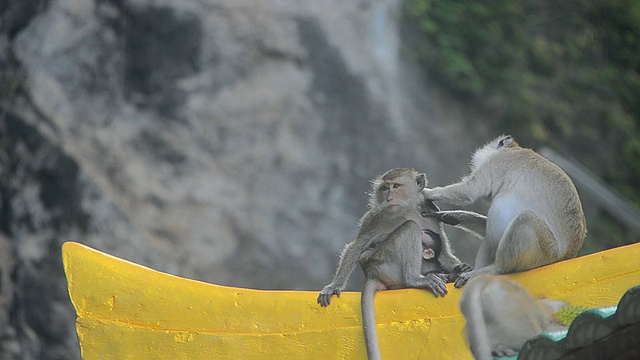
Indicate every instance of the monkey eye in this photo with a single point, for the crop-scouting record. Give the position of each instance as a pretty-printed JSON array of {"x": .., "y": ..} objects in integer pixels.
[
  {"x": 395, "y": 186},
  {"x": 384, "y": 187}
]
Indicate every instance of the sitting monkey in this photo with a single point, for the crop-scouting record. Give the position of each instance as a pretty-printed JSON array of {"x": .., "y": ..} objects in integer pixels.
[
  {"x": 535, "y": 217},
  {"x": 389, "y": 247}
]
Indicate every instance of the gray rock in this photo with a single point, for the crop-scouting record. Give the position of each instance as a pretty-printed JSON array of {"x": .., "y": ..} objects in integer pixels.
[{"x": 227, "y": 141}]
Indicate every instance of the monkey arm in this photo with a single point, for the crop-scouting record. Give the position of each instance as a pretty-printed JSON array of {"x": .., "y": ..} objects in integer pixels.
[
  {"x": 465, "y": 192},
  {"x": 456, "y": 194},
  {"x": 348, "y": 261},
  {"x": 468, "y": 221}
]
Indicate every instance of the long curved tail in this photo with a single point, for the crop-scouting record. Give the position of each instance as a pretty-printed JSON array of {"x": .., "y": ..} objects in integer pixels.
[
  {"x": 476, "y": 327},
  {"x": 371, "y": 287}
]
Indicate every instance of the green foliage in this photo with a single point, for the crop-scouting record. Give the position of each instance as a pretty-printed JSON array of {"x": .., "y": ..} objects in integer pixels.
[
  {"x": 566, "y": 73},
  {"x": 568, "y": 313}
]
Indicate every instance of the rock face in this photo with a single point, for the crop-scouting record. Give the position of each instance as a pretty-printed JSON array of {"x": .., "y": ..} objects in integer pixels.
[{"x": 230, "y": 141}]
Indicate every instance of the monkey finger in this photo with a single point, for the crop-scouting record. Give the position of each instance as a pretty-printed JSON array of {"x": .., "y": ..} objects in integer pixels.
[
  {"x": 462, "y": 280},
  {"x": 502, "y": 351},
  {"x": 450, "y": 278},
  {"x": 462, "y": 268},
  {"x": 436, "y": 284},
  {"x": 324, "y": 300},
  {"x": 439, "y": 289},
  {"x": 443, "y": 289}
]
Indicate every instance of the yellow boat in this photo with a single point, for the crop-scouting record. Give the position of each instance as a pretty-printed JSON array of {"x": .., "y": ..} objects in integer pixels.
[{"x": 127, "y": 311}]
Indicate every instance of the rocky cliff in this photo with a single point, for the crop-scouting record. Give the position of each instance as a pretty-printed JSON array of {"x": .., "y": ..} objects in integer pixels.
[{"x": 230, "y": 141}]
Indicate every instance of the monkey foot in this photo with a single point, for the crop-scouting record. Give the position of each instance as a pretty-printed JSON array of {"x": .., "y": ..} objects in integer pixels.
[
  {"x": 463, "y": 278},
  {"x": 501, "y": 350}
]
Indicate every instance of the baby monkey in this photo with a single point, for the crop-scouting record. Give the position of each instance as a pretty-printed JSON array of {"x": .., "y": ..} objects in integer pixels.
[
  {"x": 432, "y": 242},
  {"x": 431, "y": 248}
]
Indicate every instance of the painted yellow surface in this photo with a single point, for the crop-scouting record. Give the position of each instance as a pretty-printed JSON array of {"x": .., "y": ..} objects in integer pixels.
[{"x": 127, "y": 311}]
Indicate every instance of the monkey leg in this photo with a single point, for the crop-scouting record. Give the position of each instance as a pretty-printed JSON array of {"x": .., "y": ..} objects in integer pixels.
[
  {"x": 408, "y": 250},
  {"x": 526, "y": 244}
]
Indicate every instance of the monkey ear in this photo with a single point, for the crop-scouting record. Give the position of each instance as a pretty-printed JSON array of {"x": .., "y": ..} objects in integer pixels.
[
  {"x": 428, "y": 254},
  {"x": 505, "y": 141},
  {"x": 421, "y": 180}
]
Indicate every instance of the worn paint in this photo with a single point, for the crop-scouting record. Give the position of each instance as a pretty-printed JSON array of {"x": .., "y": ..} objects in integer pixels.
[{"x": 127, "y": 311}]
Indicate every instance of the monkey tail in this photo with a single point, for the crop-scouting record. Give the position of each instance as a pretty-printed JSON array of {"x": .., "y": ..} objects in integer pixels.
[
  {"x": 371, "y": 287},
  {"x": 476, "y": 328}
]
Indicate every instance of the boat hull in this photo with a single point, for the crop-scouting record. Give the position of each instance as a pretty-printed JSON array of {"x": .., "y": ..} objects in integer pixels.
[{"x": 127, "y": 311}]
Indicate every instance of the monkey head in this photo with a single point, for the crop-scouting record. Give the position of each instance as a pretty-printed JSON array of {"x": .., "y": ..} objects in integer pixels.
[
  {"x": 483, "y": 154},
  {"x": 431, "y": 244},
  {"x": 399, "y": 186}
]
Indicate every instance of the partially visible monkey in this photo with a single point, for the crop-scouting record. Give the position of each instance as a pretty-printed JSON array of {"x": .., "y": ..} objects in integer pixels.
[
  {"x": 502, "y": 315},
  {"x": 535, "y": 217},
  {"x": 469, "y": 221},
  {"x": 431, "y": 248},
  {"x": 388, "y": 247}
]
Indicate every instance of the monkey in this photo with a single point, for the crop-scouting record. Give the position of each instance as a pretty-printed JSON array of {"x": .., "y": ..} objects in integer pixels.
[
  {"x": 431, "y": 248},
  {"x": 388, "y": 247},
  {"x": 468, "y": 221},
  {"x": 535, "y": 217},
  {"x": 501, "y": 315}
]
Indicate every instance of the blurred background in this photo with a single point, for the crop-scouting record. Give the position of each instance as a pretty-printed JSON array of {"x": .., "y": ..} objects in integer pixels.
[{"x": 233, "y": 141}]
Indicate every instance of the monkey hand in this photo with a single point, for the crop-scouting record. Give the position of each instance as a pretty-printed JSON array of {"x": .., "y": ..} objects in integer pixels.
[
  {"x": 436, "y": 284},
  {"x": 430, "y": 194},
  {"x": 457, "y": 270},
  {"x": 324, "y": 299},
  {"x": 462, "y": 268},
  {"x": 447, "y": 217}
]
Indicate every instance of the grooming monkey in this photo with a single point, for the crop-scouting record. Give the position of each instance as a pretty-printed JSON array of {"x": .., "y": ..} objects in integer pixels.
[
  {"x": 502, "y": 315},
  {"x": 388, "y": 247},
  {"x": 535, "y": 217}
]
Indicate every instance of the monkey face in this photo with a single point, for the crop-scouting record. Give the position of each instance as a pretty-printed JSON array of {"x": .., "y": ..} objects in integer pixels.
[
  {"x": 393, "y": 192},
  {"x": 398, "y": 187}
]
